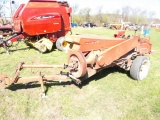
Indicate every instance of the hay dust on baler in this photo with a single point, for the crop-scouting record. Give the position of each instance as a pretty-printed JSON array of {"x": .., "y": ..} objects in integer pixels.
[{"x": 90, "y": 55}]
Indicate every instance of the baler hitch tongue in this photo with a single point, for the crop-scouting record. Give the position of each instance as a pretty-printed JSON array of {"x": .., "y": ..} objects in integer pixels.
[
  {"x": 65, "y": 76},
  {"x": 11, "y": 39}
]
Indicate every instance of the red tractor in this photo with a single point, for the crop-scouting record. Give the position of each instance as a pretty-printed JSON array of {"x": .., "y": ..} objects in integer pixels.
[{"x": 40, "y": 23}]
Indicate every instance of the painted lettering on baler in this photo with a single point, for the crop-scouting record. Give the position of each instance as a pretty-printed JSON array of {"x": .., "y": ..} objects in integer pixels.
[{"x": 92, "y": 42}]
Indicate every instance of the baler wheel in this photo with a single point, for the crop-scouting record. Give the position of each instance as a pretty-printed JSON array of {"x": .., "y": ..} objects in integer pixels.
[
  {"x": 140, "y": 67},
  {"x": 77, "y": 63},
  {"x": 42, "y": 48},
  {"x": 61, "y": 44}
]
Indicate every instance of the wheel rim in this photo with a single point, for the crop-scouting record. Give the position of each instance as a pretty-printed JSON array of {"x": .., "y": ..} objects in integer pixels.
[
  {"x": 77, "y": 72},
  {"x": 64, "y": 44},
  {"x": 43, "y": 48},
  {"x": 144, "y": 69},
  {"x": 77, "y": 63}
]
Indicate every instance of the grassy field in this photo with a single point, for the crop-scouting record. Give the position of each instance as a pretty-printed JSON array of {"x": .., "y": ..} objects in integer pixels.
[{"x": 109, "y": 95}]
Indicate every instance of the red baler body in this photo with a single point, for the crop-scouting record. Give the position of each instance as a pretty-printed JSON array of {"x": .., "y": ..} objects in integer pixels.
[{"x": 40, "y": 17}]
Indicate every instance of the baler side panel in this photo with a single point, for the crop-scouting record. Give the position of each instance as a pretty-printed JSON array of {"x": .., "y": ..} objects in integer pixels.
[
  {"x": 16, "y": 18},
  {"x": 42, "y": 24},
  {"x": 66, "y": 18},
  {"x": 115, "y": 52},
  {"x": 65, "y": 13},
  {"x": 95, "y": 44},
  {"x": 45, "y": 17},
  {"x": 40, "y": 18}
]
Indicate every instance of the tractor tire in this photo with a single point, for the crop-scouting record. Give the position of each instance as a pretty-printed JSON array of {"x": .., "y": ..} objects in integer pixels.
[
  {"x": 140, "y": 67},
  {"x": 42, "y": 48},
  {"x": 61, "y": 44}
]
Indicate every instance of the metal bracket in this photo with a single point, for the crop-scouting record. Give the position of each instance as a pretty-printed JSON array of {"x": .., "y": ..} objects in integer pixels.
[{"x": 42, "y": 85}]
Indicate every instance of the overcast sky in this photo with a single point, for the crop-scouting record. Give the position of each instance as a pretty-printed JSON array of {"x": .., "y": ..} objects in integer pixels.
[{"x": 112, "y": 5}]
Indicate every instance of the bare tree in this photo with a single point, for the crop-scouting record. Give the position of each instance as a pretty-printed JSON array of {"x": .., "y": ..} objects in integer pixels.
[
  {"x": 143, "y": 17},
  {"x": 85, "y": 12},
  {"x": 115, "y": 16},
  {"x": 125, "y": 13},
  {"x": 135, "y": 13},
  {"x": 99, "y": 15},
  {"x": 2, "y": 5},
  {"x": 151, "y": 16},
  {"x": 75, "y": 8},
  {"x": 99, "y": 10},
  {"x": 7, "y": 8}
]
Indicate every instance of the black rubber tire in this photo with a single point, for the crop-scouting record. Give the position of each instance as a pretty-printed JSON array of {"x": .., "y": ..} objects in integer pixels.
[
  {"x": 42, "y": 48},
  {"x": 140, "y": 67},
  {"x": 59, "y": 44}
]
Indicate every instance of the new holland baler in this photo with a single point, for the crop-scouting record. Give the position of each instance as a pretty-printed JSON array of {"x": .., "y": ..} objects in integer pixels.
[{"x": 40, "y": 23}]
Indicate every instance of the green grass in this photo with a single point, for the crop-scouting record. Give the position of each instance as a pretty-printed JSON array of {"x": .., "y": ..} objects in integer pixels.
[{"x": 108, "y": 95}]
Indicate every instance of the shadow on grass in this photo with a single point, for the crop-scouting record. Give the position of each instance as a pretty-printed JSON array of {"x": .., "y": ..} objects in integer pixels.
[
  {"x": 31, "y": 48},
  {"x": 48, "y": 85},
  {"x": 20, "y": 49},
  {"x": 17, "y": 49},
  {"x": 103, "y": 74},
  {"x": 26, "y": 48}
]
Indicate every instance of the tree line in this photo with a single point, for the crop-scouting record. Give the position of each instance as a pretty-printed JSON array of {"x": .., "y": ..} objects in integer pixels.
[{"x": 125, "y": 14}]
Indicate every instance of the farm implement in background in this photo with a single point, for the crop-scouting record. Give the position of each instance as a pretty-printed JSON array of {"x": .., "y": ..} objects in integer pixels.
[
  {"x": 40, "y": 23},
  {"x": 88, "y": 56},
  {"x": 6, "y": 29}
]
